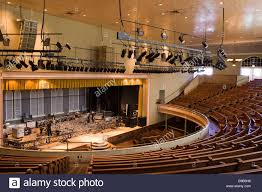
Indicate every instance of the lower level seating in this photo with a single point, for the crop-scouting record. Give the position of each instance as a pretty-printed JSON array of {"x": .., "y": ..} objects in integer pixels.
[
  {"x": 236, "y": 148},
  {"x": 10, "y": 164}
]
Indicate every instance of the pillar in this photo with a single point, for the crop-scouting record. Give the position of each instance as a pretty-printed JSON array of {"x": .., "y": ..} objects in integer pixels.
[
  {"x": 1, "y": 111},
  {"x": 185, "y": 126},
  {"x": 140, "y": 101}
]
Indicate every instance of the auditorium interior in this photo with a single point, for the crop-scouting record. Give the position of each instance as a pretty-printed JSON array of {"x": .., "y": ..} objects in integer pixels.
[{"x": 130, "y": 87}]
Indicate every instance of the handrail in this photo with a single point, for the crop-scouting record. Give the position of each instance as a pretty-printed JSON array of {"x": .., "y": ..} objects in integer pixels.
[{"x": 181, "y": 89}]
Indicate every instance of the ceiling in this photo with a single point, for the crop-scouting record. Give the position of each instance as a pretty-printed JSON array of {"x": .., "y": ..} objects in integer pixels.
[{"x": 243, "y": 18}]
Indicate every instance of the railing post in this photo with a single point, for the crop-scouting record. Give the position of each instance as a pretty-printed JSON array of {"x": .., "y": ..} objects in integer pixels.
[
  {"x": 185, "y": 125},
  {"x": 165, "y": 121}
]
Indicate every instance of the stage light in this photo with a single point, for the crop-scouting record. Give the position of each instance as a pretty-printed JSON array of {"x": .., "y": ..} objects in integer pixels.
[
  {"x": 68, "y": 46},
  {"x": 6, "y": 42},
  {"x": 46, "y": 42},
  {"x": 48, "y": 65},
  {"x": 41, "y": 64},
  {"x": 130, "y": 53},
  {"x": 1, "y": 36},
  {"x": 181, "y": 39},
  {"x": 164, "y": 35},
  {"x": 222, "y": 52},
  {"x": 23, "y": 63},
  {"x": 140, "y": 32},
  {"x": 140, "y": 57},
  {"x": 205, "y": 45},
  {"x": 170, "y": 55},
  {"x": 173, "y": 60},
  {"x": 59, "y": 46},
  {"x": 220, "y": 65},
  {"x": 151, "y": 54},
  {"x": 180, "y": 56},
  {"x": 33, "y": 66},
  {"x": 123, "y": 53},
  {"x": 17, "y": 65},
  {"x": 163, "y": 56},
  {"x": 156, "y": 55}
]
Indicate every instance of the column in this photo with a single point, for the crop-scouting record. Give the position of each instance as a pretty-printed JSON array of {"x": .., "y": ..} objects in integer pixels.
[
  {"x": 185, "y": 126},
  {"x": 140, "y": 101},
  {"x": 1, "y": 111}
]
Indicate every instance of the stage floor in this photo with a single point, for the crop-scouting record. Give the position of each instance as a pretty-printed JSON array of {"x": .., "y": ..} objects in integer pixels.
[{"x": 85, "y": 139}]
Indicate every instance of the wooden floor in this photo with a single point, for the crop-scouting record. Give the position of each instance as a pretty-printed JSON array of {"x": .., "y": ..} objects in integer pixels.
[{"x": 85, "y": 139}]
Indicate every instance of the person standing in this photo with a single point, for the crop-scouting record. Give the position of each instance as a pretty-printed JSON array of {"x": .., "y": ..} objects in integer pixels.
[{"x": 49, "y": 129}]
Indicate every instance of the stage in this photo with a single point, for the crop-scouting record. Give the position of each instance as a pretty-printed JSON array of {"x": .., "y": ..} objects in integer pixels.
[{"x": 86, "y": 139}]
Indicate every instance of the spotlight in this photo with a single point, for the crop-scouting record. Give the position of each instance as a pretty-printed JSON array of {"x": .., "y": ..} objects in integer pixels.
[
  {"x": 123, "y": 53},
  {"x": 41, "y": 64},
  {"x": 140, "y": 57},
  {"x": 23, "y": 63},
  {"x": 220, "y": 65},
  {"x": 205, "y": 45},
  {"x": 1, "y": 36},
  {"x": 151, "y": 54},
  {"x": 18, "y": 65},
  {"x": 156, "y": 55},
  {"x": 48, "y": 65},
  {"x": 68, "y": 46},
  {"x": 46, "y": 42},
  {"x": 33, "y": 66},
  {"x": 181, "y": 39},
  {"x": 140, "y": 32},
  {"x": 163, "y": 56},
  {"x": 221, "y": 52},
  {"x": 164, "y": 35},
  {"x": 6, "y": 42},
  {"x": 180, "y": 56},
  {"x": 59, "y": 46},
  {"x": 130, "y": 53},
  {"x": 170, "y": 55},
  {"x": 173, "y": 60}
]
